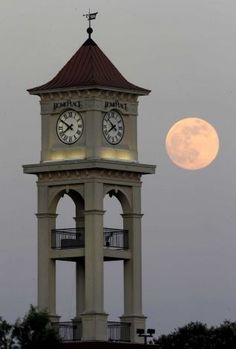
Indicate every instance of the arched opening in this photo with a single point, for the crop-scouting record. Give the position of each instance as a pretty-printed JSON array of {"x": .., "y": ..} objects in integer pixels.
[
  {"x": 65, "y": 270},
  {"x": 113, "y": 270}
]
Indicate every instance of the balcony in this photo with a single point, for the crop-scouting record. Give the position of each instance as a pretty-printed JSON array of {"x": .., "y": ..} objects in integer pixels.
[
  {"x": 68, "y": 238},
  {"x": 72, "y": 331}
]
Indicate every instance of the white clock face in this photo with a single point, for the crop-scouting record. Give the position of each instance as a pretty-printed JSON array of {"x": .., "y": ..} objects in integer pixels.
[
  {"x": 69, "y": 126},
  {"x": 113, "y": 127}
]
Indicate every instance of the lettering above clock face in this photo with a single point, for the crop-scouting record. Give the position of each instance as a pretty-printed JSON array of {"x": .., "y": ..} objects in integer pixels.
[
  {"x": 69, "y": 126},
  {"x": 113, "y": 127}
]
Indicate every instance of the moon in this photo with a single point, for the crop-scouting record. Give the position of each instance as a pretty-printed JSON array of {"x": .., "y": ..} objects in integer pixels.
[{"x": 192, "y": 143}]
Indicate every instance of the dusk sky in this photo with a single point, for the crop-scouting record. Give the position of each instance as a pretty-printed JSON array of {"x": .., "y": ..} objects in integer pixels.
[{"x": 185, "y": 52}]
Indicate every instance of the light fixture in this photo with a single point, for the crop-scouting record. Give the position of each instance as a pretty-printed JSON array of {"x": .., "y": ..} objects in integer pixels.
[
  {"x": 141, "y": 333},
  {"x": 151, "y": 331}
]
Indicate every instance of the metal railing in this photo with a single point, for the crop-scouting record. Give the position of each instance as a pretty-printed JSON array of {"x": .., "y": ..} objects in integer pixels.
[
  {"x": 116, "y": 238},
  {"x": 74, "y": 238},
  {"x": 67, "y": 238},
  {"x": 72, "y": 331},
  {"x": 118, "y": 331},
  {"x": 69, "y": 331}
]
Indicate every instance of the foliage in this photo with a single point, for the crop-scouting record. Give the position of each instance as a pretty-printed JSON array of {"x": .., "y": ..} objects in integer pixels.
[
  {"x": 199, "y": 336},
  {"x": 224, "y": 336},
  {"x": 6, "y": 335},
  {"x": 35, "y": 331}
]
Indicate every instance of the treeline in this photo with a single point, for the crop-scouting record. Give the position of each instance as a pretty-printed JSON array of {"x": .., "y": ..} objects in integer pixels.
[
  {"x": 34, "y": 331},
  {"x": 196, "y": 335}
]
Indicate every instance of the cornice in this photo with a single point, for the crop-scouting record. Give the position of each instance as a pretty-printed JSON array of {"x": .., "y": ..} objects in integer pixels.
[
  {"x": 88, "y": 175},
  {"x": 88, "y": 93},
  {"x": 87, "y": 165}
]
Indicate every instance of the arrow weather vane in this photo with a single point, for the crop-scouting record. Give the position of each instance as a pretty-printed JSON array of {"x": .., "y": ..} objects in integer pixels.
[{"x": 90, "y": 16}]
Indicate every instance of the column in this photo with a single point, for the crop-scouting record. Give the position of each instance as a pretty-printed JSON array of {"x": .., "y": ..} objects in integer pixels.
[
  {"x": 94, "y": 319},
  {"x": 80, "y": 278},
  {"x": 133, "y": 271},
  {"x": 46, "y": 265},
  {"x": 80, "y": 269}
]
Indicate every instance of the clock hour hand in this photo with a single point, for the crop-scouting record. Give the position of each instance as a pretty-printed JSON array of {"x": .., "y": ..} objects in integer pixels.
[
  {"x": 68, "y": 126},
  {"x": 112, "y": 125}
]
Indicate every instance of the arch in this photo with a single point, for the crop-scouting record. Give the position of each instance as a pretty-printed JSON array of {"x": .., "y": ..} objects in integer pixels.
[
  {"x": 74, "y": 194},
  {"x": 122, "y": 195}
]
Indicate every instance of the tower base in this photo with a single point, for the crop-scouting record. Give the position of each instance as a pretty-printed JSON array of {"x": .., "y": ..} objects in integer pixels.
[
  {"x": 136, "y": 322},
  {"x": 94, "y": 326}
]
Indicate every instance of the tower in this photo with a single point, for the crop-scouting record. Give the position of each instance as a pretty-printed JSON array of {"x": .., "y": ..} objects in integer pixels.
[{"x": 89, "y": 149}]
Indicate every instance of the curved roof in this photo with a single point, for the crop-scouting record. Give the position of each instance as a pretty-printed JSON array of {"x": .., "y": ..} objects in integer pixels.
[{"x": 89, "y": 68}]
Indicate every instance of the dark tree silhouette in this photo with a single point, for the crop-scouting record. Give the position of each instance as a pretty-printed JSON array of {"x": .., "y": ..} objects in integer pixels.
[
  {"x": 198, "y": 336},
  {"x": 36, "y": 331},
  {"x": 6, "y": 335}
]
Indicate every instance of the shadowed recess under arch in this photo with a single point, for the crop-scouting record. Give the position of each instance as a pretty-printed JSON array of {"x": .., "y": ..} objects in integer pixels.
[
  {"x": 73, "y": 194},
  {"x": 122, "y": 197}
]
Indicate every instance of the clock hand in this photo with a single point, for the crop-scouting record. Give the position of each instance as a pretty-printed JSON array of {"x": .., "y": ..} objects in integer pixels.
[
  {"x": 68, "y": 126},
  {"x": 113, "y": 126},
  {"x": 111, "y": 122}
]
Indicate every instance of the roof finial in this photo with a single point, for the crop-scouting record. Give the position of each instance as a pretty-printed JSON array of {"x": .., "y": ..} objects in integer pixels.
[{"x": 90, "y": 17}]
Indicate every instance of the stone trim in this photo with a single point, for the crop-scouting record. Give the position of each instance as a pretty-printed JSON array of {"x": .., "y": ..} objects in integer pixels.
[
  {"x": 88, "y": 165},
  {"x": 132, "y": 215},
  {"x": 94, "y": 212},
  {"x": 89, "y": 174},
  {"x": 46, "y": 215},
  {"x": 84, "y": 93}
]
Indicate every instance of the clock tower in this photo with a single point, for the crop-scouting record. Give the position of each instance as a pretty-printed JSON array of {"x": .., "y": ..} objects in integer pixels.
[{"x": 89, "y": 115}]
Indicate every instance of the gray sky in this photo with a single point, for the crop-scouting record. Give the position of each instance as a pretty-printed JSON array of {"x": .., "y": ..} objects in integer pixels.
[{"x": 184, "y": 51}]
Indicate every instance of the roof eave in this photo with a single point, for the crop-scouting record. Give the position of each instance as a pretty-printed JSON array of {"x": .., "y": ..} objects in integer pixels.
[{"x": 138, "y": 91}]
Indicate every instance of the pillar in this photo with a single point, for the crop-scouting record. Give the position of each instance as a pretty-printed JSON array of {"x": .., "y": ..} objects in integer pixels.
[
  {"x": 46, "y": 265},
  {"x": 80, "y": 269},
  {"x": 133, "y": 270},
  {"x": 94, "y": 319}
]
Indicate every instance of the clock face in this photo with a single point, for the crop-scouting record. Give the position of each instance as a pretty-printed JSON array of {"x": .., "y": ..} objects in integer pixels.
[
  {"x": 69, "y": 126},
  {"x": 113, "y": 127}
]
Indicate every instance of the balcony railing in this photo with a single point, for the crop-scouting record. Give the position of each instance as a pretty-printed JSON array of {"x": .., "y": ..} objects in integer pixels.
[
  {"x": 118, "y": 331},
  {"x": 67, "y": 238},
  {"x": 74, "y": 238},
  {"x": 69, "y": 331},
  {"x": 72, "y": 331},
  {"x": 115, "y": 238}
]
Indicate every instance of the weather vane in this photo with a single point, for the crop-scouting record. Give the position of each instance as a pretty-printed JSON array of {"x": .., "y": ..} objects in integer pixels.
[{"x": 90, "y": 16}]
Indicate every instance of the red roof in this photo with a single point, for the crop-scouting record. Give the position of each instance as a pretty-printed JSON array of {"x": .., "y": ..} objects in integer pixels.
[{"x": 89, "y": 68}]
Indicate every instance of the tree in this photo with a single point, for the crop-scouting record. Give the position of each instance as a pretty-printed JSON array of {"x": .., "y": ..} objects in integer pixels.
[
  {"x": 6, "y": 335},
  {"x": 191, "y": 336},
  {"x": 36, "y": 331},
  {"x": 224, "y": 336},
  {"x": 198, "y": 336}
]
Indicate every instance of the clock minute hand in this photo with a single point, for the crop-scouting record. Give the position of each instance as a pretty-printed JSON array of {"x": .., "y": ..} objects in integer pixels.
[
  {"x": 111, "y": 122},
  {"x": 113, "y": 126}
]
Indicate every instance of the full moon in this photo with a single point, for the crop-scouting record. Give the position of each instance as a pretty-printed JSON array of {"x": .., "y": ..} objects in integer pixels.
[{"x": 192, "y": 143}]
